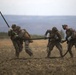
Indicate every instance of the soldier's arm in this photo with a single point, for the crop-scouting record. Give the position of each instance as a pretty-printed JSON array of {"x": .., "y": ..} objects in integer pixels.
[
  {"x": 48, "y": 31},
  {"x": 9, "y": 32}
]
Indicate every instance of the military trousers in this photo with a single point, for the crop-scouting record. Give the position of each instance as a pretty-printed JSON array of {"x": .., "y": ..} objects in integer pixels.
[
  {"x": 27, "y": 48},
  {"x": 51, "y": 46},
  {"x": 18, "y": 47}
]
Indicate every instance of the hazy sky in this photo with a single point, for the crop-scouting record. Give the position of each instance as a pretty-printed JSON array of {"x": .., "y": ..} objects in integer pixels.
[{"x": 38, "y": 7}]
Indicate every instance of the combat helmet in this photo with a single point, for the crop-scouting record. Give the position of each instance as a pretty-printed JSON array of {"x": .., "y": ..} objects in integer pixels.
[
  {"x": 54, "y": 29},
  {"x": 64, "y": 26},
  {"x": 13, "y": 26}
]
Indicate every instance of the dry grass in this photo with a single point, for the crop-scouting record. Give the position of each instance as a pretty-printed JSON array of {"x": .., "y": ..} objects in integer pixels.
[
  {"x": 5, "y": 43},
  {"x": 37, "y": 65}
]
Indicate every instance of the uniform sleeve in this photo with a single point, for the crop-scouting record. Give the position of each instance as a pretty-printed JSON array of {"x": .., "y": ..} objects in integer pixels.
[{"x": 48, "y": 31}]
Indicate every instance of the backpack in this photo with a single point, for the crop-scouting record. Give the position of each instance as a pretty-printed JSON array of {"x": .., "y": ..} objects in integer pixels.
[{"x": 23, "y": 34}]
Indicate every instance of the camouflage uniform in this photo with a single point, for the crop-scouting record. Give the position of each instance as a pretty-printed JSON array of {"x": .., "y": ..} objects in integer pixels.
[
  {"x": 13, "y": 35},
  {"x": 70, "y": 38},
  {"x": 55, "y": 39},
  {"x": 25, "y": 36}
]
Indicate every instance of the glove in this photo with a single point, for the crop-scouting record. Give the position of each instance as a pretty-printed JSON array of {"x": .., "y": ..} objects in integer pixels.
[
  {"x": 69, "y": 38},
  {"x": 15, "y": 36},
  {"x": 9, "y": 29}
]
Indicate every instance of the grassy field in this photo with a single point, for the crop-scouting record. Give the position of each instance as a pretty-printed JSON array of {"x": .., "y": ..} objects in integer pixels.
[{"x": 38, "y": 64}]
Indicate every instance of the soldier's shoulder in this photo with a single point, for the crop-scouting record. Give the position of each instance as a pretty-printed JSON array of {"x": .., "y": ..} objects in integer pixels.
[
  {"x": 71, "y": 29},
  {"x": 58, "y": 33},
  {"x": 23, "y": 29}
]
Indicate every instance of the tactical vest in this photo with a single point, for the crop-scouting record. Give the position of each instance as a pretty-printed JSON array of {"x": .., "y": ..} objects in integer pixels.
[
  {"x": 55, "y": 36},
  {"x": 71, "y": 32}
]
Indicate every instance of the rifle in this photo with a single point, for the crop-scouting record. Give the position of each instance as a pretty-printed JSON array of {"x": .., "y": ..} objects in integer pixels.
[{"x": 4, "y": 20}]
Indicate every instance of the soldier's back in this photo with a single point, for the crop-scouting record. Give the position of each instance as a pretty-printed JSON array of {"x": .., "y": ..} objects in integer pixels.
[{"x": 24, "y": 34}]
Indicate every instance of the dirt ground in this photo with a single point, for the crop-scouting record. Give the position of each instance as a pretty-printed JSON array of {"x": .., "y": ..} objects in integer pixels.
[{"x": 38, "y": 64}]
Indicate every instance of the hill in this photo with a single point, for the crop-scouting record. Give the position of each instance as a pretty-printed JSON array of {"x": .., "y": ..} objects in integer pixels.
[{"x": 37, "y": 24}]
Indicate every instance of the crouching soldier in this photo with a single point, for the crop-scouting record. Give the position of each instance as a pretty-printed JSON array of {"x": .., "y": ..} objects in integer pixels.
[
  {"x": 25, "y": 36},
  {"x": 55, "y": 39}
]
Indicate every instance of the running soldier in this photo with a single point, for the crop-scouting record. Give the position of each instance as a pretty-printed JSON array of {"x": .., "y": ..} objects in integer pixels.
[
  {"x": 70, "y": 38},
  {"x": 55, "y": 39},
  {"x": 23, "y": 35},
  {"x": 16, "y": 42}
]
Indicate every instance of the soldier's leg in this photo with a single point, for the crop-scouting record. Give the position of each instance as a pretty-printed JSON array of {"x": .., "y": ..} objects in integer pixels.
[
  {"x": 16, "y": 48},
  {"x": 20, "y": 44},
  {"x": 70, "y": 45},
  {"x": 50, "y": 48},
  {"x": 59, "y": 46},
  {"x": 27, "y": 49}
]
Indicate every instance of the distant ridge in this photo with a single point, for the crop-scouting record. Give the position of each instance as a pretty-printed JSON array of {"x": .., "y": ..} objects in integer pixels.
[{"x": 37, "y": 24}]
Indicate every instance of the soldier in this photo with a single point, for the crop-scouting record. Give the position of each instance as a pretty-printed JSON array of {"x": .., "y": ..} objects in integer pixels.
[
  {"x": 23, "y": 35},
  {"x": 13, "y": 36},
  {"x": 48, "y": 32},
  {"x": 70, "y": 38},
  {"x": 55, "y": 39}
]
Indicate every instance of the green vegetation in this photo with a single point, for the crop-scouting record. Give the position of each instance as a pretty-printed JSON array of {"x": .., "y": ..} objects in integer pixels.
[{"x": 3, "y": 35}]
